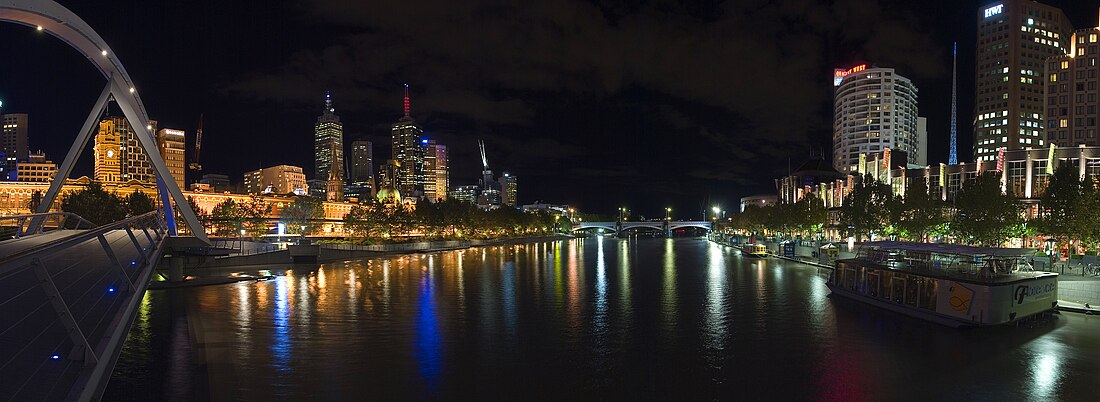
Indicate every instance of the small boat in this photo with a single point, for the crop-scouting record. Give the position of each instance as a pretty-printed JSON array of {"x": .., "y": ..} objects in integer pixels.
[
  {"x": 949, "y": 284},
  {"x": 754, "y": 250}
]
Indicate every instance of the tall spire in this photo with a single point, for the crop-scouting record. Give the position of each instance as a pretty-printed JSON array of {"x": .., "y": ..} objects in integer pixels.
[
  {"x": 406, "y": 100},
  {"x": 953, "y": 156},
  {"x": 484, "y": 160},
  {"x": 328, "y": 102}
]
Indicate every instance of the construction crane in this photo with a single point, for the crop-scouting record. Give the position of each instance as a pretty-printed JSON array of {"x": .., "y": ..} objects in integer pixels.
[{"x": 195, "y": 165}]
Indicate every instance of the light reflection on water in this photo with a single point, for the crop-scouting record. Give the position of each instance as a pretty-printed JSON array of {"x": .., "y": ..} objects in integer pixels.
[{"x": 602, "y": 318}]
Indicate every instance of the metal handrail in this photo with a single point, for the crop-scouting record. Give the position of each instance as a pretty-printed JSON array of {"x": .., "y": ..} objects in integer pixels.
[
  {"x": 30, "y": 224},
  {"x": 27, "y": 255},
  {"x": 95, "y": 343}
]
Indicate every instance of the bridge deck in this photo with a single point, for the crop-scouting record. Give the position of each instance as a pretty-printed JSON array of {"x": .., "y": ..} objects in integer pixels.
[{"x": 62, "y": 307}]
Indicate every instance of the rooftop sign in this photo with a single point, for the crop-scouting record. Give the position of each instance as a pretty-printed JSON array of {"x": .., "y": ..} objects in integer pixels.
[
  {"x": 997, "y": 9},
  {"x": 840, "y": 73}
]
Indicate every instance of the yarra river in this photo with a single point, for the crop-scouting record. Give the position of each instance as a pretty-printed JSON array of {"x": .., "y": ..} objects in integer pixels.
[{"x": 592, "y": 318}]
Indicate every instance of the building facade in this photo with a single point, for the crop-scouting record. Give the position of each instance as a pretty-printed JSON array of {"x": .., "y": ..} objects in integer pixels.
[
  {"x": 1071, "y": 92},
  {"x": 408, "y": 152},
  {"x": 282, "y": 179},
  {"x": 362, "y": 168},
  {"x": 467, "y": 194},
  {"x": 1015, "y": 39},
  {"x": 117, "y": 153},
  {"x": 508, "y": 189},
  {"x": 328, "y": 151},
  {"x": 874, "y": 109},
  {"x": 36, "y": 169},
  {"x": 171, "y": 144},
  {"x": 14, "y": 146},
  {"x": 436, "y": 172}
]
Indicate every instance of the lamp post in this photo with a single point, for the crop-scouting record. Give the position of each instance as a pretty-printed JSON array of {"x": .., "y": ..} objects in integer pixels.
[
  {"x": 716, "y": 210},
  {"x": 668, "y": 214}
]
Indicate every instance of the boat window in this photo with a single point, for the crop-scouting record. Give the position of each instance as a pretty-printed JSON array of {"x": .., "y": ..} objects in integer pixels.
[
  {"x": 928, "y": 295},
  {"x": 912, "y": 290}
]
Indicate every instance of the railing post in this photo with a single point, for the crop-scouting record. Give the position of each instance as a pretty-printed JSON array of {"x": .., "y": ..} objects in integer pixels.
[
  {"x": 64, "y": 315},
  {"x": 114, "y": 260},
  {"x": 145, "y": 259}
]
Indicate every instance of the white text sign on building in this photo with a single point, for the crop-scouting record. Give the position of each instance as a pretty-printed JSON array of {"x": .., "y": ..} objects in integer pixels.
[{"x": 997, "y": 9}]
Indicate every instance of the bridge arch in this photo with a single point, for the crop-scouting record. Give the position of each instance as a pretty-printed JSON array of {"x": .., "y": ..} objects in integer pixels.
[{"x": 52, "y": 18}]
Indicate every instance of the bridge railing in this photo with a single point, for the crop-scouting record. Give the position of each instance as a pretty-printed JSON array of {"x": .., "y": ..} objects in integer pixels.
[
  {"x": 16, "y": 226},
  {"x": 68, "y": 304}
]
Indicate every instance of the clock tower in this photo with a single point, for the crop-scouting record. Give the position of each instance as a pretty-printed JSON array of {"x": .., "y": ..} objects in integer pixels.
[{"x": 106, "y": 152}]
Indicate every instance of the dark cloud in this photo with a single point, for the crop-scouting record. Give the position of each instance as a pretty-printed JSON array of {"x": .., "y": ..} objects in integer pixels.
[{"x": 725, "y": 74}]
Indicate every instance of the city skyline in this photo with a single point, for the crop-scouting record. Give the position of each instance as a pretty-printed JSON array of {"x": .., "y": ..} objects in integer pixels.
[{"x": 721, "y": 171}]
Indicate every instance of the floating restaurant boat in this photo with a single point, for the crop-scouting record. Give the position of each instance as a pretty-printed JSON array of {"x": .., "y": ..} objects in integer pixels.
[
  {"x": 755, "y": 250},
  {"x": 948, "y": 284}
]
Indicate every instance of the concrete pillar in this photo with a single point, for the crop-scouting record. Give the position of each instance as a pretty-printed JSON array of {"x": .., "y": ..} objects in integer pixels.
[{"x": 175, "y": 268}]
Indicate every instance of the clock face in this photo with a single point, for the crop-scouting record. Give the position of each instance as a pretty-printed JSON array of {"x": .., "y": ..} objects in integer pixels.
[{"x": 110, "y": 153}]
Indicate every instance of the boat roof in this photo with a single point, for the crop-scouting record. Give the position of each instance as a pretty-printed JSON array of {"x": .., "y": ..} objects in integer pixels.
[{"x": 958, "y": 249}]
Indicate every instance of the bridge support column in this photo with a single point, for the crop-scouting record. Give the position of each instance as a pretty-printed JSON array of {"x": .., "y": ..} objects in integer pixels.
[
  {"x": 668, "y": 229},
  {"x": 175, "y": 268}
]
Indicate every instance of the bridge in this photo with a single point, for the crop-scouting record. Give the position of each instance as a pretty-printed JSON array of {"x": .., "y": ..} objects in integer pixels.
[
  {"x": 663, "y": 226},
  {"x": 69, "y": 290}
]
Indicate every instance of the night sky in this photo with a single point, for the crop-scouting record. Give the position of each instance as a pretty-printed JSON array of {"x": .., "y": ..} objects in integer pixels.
[{"x": 601, "y": 104}]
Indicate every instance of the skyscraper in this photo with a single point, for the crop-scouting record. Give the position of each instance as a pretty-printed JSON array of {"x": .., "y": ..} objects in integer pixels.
[
  {"x": 408, "y": 153},
  {"x": 282, "y": 179},
  {"x": 436, "y": 174},
  {"x": 13, "y": 143},
  {"x": 118, "y": 155},
  {"x": 874, "y": 109},
  {"x": 1015, "y": 38},
  {"x": 508, "y": 189},
  {"x": 328, "y": 150},
  {"x": 361, "y": 172},
  {"x": 171, "y": 145},
  {"x": 1071, "y": 115}
]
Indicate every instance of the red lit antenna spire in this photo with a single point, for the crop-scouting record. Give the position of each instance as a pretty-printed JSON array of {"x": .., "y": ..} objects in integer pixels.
[{"x": 406, "y": 99}]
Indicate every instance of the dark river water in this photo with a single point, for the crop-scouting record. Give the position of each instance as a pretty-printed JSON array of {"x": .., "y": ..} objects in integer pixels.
[{"x": 579, "y": 319}]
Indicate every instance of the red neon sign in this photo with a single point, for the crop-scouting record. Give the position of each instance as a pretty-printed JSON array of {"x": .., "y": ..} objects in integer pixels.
[{"x": 839, "y": 74}]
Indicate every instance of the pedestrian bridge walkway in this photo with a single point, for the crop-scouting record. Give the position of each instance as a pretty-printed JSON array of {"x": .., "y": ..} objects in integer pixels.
[{"x": 68, "y": 298}]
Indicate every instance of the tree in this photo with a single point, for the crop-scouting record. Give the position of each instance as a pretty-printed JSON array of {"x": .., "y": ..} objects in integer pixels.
[
  {"x": 227, "y": 218},
  {"x": 867, "y": 209},
  {"x": 1065, "y": 213},
  {"x": 303, "y": 212},
  {"x": 255, "y": 215},
  {"x": 361, "y": 222},
  {"x": 920, "y": 213},
  {"x": 95, "y": 204},
  {"x": 35, "y": 201},
  {"x": 139, "y": 203},
  {"x": 984, "y": 214}
]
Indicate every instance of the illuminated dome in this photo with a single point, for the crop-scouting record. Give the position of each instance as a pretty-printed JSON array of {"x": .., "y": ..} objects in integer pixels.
[{"x": 388, "y": 195}]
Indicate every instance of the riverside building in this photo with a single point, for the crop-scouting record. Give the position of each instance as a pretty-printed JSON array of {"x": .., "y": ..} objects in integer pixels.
[
  {"x": 1015, "y": 39},
  {"x": 874, "y": 109}
]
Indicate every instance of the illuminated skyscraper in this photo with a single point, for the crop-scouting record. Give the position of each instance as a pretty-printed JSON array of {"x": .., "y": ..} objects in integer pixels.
[
  {"x": 408, "y": 152},
  {"x": 361, "y": 177},
  {"x": 118, "y": 156},
  {"x": 508, "y": 189},
  {"x": 436, "y": 174},
  {"x": 171, "y": 145},
  {"x": 874, "y": 109},
  {"x": 13, "y": 143},
  {"x": 1071, "y": 83},
  {"x": 1015, "y": 38},
  {"x": 328, "y": 149}
]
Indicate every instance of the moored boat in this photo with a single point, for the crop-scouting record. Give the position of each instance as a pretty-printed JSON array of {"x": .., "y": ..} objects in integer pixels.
[
  {"x": 945, "y": 283},
  {"x": 755, "y": 250}
]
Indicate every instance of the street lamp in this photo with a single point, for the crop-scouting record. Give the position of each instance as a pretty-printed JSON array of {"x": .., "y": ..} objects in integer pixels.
[
  {"x": 668, "y": 214},
  {"x": 716, "y": 210}
]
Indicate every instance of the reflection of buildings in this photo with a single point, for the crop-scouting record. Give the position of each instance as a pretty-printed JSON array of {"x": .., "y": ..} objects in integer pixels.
[
  {"x": 1015, "y": 38},
  {"x": 436, "y": 174},
  {"x": 328, "y": 149},
  {"x": 874, "y": 109},
  {"x": 118, "y": 154},
  {"x": 171, "y": 145},
  {"x": 282, "y": 179}
]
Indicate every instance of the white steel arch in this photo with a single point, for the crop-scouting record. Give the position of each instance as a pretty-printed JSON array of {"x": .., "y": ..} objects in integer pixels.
[{"x": 50, "y": 17}]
